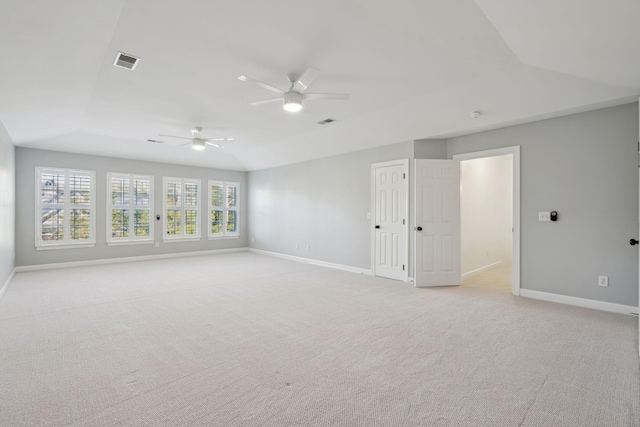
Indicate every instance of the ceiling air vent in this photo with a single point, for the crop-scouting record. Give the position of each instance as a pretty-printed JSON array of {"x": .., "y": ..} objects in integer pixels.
[
  {"x": 326, "y": 121},
  {"x": 126, "y": 61}
]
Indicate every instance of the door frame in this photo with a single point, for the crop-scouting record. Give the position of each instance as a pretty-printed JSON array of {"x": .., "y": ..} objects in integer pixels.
[
  {"x": 515, "y": 151},
  {"x": 372, "y": 214}
]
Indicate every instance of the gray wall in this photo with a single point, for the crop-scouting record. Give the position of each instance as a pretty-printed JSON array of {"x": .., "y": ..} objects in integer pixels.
[
  {"x": 26, "y": 161},
  {"x": 7, "y": 205},
  {"x": 585, "y": 166},
  {"x": 322, "y": 203},
  {"x": 430, "y": 149}
]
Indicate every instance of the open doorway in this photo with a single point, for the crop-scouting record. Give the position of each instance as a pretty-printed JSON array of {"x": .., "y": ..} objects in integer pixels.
[
  {"x": 489, "y": 214},
  {"x": 486, "y": 241}
]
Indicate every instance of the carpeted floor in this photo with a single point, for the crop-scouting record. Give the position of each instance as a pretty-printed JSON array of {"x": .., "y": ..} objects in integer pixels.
[
  {"x": 249, "y": 340},
  {"x": 497, "y": 278}
]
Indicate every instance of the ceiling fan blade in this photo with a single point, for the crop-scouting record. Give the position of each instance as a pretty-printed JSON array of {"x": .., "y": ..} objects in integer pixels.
[
  {"x": 326, "y": 96},
  {"x": 187, "y": 143},
  {"x": 305, "y": 80},
  {"x": 213, "y": 144},
  {"x": 265, "y": 101},
  {"x": 261, "y": 84},
  {"x": 218, "y": 139},
  {"x": 180, "y": 137}
]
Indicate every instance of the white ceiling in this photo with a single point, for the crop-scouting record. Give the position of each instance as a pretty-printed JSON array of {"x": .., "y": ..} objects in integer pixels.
[{"x": 415, "y": 69}]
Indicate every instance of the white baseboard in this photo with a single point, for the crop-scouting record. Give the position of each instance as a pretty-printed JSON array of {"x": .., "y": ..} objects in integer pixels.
[
  {"x": 182, "y": 254},
  {"x": 313, "y": 261},
  {"x": 6, "y": 284},
  {"x": 125, "y": 259},
  {"x": 580, "y": 302},
  {"x": 481, "y": 269}
]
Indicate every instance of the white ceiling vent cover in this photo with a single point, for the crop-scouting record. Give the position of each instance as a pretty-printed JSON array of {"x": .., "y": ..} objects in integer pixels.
[{"x": 127, "y": 61}]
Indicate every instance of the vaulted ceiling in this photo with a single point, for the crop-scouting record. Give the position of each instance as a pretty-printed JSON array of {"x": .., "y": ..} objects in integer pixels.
[{"x": 414, "y": 68}]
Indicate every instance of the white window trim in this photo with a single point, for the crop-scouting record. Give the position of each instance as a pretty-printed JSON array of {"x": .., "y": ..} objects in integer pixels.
[
  {"x": 225, "y": 209},
  {"x": 131, "y": 240},
  {"x": 182, "y": 237},
  {"x": 66, "y": 243}
]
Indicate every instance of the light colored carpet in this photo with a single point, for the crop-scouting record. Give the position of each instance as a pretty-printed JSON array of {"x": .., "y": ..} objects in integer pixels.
[
  {"x": 497, "y": 278},
  {"x": 249, "y": 340}
]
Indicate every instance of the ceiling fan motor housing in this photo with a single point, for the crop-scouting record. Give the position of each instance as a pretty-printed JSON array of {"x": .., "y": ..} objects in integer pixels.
[{"x": 292, "y": 101}]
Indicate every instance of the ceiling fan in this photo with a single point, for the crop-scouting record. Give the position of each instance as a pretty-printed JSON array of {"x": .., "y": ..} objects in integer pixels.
[
  {"x": 292, "y": 98},
  {"x": 199, "y": 143}
]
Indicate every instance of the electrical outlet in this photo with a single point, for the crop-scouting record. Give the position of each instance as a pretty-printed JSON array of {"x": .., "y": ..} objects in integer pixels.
[
  {"x": 603, "y": 281},
  {"x": 157, "y": 244},
  {"x": 297, "y": 246},
  {"x": 544, "y": 216},
  {"x": 308, "y": 247},
  {"x": 253, "y": 240}
]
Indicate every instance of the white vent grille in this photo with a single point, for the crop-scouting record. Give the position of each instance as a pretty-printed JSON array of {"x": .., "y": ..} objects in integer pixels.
[{"x": 124, "y": 60}]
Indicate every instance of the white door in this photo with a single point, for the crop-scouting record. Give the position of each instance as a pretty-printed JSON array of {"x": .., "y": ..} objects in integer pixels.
[
  {"x": 390, "y": 220},
  {"x": 437, "y": 230}
]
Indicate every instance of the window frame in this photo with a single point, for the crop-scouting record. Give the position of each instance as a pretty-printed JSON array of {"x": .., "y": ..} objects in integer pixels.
[
  {"x": 182, "y": 237},
  {"x": 225, "y": 210},
  {"x": 66, "y": 206},
  {"x": 132, "y": 239}
]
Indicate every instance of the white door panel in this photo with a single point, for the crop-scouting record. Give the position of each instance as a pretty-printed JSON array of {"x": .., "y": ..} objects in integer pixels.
[
  {"x": 437, "y": 234},
  {"x": 390, "y": 192}
]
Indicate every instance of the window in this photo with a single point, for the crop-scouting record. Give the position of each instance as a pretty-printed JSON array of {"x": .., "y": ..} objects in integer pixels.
[
  {"x": 223, "y": 209},
  {"x": 65, "y": 208},
  {"x": 129, "y": 208},
  {"x": 181, "y": 202}
]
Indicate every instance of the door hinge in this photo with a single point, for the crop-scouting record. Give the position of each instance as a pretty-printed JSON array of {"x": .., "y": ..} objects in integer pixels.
[
  {"x": 403, "y": 222},
  {"x": 402, "y": 267},
  {"x": 404, "y": 176}
]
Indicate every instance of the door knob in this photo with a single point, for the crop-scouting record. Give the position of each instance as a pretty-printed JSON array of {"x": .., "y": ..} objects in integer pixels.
[
  {"x": 633, "y": 242},
  {"x": 377, "y": 226},
  {"x": 419, "y": 228}
]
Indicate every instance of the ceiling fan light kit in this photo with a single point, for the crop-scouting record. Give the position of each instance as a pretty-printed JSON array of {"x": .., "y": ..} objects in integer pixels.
[
  {"x": 198, "y": 144},
  {"x": 292, "y": 102}
]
